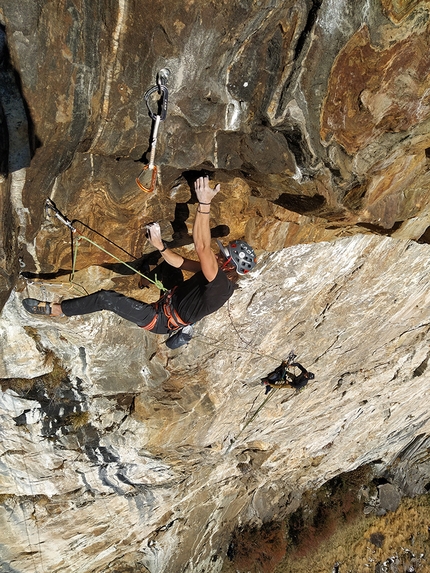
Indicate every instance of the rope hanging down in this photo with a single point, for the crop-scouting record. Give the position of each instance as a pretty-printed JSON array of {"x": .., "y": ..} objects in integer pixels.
[
  {"x": 51, "y": 205},
  {"x": 290, "y": 358}
]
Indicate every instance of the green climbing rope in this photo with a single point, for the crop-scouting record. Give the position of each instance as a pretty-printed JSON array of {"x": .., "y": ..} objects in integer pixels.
[
  {"x": 255, "y": 414},
  {"x": 72, "y": 274},
  {"x": 156, "y": 282},
  {"x": 288, "y": 361},
  {"x": 49, "y": 204}
]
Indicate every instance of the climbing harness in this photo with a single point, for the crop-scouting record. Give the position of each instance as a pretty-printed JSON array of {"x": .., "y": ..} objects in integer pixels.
[
  {"x": 174, "y": 321},
  {"x": 51, "y": 205},
  {"x": 147, "y": 180},
  {"x": 290, "y": 358}
]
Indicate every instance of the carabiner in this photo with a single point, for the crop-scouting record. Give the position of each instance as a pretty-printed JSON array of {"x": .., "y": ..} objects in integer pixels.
[
  {"x": 162, "y": 102},
  {"x": 49, "y": 204}
]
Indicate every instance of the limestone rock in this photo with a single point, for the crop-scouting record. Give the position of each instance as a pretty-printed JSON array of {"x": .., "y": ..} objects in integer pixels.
[
  {"x": 314, "y": 118},
  {"x": 163, "y": 467},
  {"x": 376, "y": 105},
  {"x": 389, "y": 497},
  {"x": 285, "y": 96}
]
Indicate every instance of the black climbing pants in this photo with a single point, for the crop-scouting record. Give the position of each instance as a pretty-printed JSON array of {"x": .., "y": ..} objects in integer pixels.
[{"x": 141, "y": 313}]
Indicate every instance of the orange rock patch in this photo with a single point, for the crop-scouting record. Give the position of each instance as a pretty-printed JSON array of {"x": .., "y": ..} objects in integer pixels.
[{"x": 372, "y": 92}]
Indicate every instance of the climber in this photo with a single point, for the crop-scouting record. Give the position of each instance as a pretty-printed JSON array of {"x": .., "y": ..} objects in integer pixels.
[
  {"x": 204, "y": 293},
  {"x": 278, "y": 378}
]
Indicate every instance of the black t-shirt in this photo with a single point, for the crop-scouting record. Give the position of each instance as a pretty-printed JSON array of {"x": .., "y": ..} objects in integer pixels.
[{"x": 196, "y": 297}]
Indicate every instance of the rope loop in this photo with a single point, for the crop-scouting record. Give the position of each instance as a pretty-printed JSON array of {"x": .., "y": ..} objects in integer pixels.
[{"x": 155, "y": 282}]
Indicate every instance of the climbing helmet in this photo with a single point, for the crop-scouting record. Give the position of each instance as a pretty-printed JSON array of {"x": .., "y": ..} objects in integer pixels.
[{"x": 242, "y": 255}]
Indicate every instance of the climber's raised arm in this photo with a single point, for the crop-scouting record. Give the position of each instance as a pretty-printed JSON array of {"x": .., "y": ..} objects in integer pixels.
[{"x": 201, "y": 228}]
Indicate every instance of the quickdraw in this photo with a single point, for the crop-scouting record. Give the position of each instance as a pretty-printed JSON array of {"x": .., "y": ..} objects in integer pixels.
[{"x": 147, "y": 180}]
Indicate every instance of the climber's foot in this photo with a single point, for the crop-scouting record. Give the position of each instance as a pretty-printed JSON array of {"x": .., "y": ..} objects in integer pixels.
[{"x": 34, "y": 306}]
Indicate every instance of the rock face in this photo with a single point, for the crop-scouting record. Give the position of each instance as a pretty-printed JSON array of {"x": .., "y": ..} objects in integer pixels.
[
  {"x": 162, "y": 467},
  {"x": 320, "y": 108},
  {"x": 314, "y": 117}
]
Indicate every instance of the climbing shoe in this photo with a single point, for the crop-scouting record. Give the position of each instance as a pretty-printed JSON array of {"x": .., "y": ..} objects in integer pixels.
[
  {"x": 34, "y": 306},
  {"x": 180, "y": 337}
]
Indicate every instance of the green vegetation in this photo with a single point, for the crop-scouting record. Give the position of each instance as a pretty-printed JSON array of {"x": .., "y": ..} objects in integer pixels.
[
  {"x": 78, "y": 419},
  {"x": 50, "y": 381},
  {"x": 322, "y": 512},
  {"x": 53, "y": 391}
]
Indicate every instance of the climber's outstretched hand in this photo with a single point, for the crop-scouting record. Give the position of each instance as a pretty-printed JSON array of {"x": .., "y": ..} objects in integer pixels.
[{"x": 204, "y": 193}]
